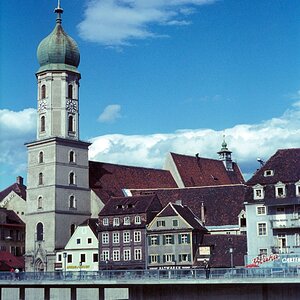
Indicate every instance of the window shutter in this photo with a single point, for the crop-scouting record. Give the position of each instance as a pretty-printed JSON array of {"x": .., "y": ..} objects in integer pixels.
[
  {"x": 179, "y": 238},
  {"x": 189, "y": 257},
  {"x": 188, "y": 238},
  {"x": 158, "y": 240},
  {"x": 179, "y": 256},
  {"x": 164, "y": 240},
  {"x": 149, "y": 259},
  {"x": 158, "y": 258},
  {"x": 149, "y": 240},
  {"x": 172, "y": 240},
  {"x": 173, "y": 257},
  {"x": 164, "y": 258}
]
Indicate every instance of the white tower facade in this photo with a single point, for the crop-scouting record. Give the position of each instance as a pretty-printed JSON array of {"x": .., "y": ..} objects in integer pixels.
[{"x": 58, "y": 194}]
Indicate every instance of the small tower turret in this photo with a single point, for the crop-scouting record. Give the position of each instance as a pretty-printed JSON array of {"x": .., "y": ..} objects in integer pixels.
[{"x": 225, "y": 156}]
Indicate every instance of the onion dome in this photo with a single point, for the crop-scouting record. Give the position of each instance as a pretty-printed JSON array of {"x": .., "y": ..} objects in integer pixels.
[{"x": 58, "y": 51}]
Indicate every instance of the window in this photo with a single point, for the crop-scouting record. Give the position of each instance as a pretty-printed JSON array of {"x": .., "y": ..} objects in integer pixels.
[
  {"x": 153, "y": 240},
  {"x": 69, "y": 258},
  {"x": 116, "y": 222},
  {"x": 41, "y": 179},
  {"x": 137, "y": 254},
  {"x": 137, "y": 236},
  {"x": 261, "y": 210},
  {"x": 126, "y": 237},
  {"x": 268, "y": 173},
  {"x": 89, "y": 240},
  {"x": 72, "y": 178},
  {"x": 263, "y": 252},
  {"x": 161, "y": 223},
  {"x": 280, "y": 190},
  {"x": 262, "y": 229},
  {"x": 70, "y": 91},
  {"x": 258, "y": 192},
  {"x": 82, "y": 258},
  {"x": 184, "y": 257},
  {"x": 71, "y": 124},
  {"x": 78, "y": 241},
  {"x": 154, "y": 259},
  {"x": 137, "y": 220},
  {"x": 105, "y": 238},
  {"x": 282, "y": 243},
  {"x": 127, "y": 221},
  {"x": 59, "y": 257},
  {"x": 184, "y": 238},
  {"x": 95, "y": 257},
  {"x": 72, "y": 202},
  {"x": 71, "y": 156},
  {"x": 127, "y": 254},
  {"x": 169, "y": 258},
  {"x": 175, "y": 223},
  {"x": 105, "y": 255},
  {"x": 168, "y": 239},
  {"x": 297, "y": 239},
  {"x": 116, "y": 238},
  {"x": 116, "y": 255},
  {"x": 105, "y": 221},
  {"x": 40, "y": 202},
  {"x": 41, "y": 157},
  {"x": 39, "y": 232},
  {"x": 297, "y": 185},
  {"x": 43, "y": 123},
  {"x": 43, "y": 92}
]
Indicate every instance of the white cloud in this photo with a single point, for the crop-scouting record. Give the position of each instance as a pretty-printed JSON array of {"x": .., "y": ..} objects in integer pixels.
[
  {"x": 246, "y": 141},
  {"x": 117, "y": 22},
  {"x": 110, "y": 113}
]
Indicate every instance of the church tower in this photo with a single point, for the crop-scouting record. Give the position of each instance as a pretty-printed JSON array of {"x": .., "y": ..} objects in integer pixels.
[
  {"x": 58, "y": 195},
  {"x": 225, "y": 156}
]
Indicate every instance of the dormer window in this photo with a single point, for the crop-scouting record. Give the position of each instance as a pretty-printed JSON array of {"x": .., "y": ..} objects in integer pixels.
[
  {"x": 297, "y": 185},
  {"x": 127, "y": 221},
  {"x": 280, "y": 191},
  {"x": 258, "y": 192},
  {"x": 116, "y": 222},
  {"x": 105, "y": 222},
  {"x": 137, "y": 220},
  {"x": 268, "y": 173}
]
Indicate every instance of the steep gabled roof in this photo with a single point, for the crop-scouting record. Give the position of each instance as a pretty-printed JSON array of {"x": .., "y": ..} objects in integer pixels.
[
  {"x": 18, "y": 187},
  {"x": 128, "y": 205},
  {"x": 198, "y": 171},
  {"x": 285, "y": 165},
  {"x": 222, "y": 203},
  {"x": 11, "y": 217},
  {"x": 92, "y": 223},
  {"x": 108, "y": 180}
]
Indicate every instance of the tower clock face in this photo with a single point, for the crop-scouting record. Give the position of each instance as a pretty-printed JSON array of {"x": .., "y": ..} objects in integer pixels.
[
  {"x": 71, "y": 106},
  {"x": 42, "y": 105}
]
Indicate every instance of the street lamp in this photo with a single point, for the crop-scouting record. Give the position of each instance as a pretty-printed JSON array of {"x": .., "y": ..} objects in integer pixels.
[{"x": 65, "y": 263}]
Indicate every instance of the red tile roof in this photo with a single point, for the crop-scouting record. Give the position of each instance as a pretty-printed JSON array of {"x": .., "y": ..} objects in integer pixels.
[
  {"x": 11, "y": 217},
  {"x": 18, "y": 188},
  {"x": 284, "y": 163},
  {"x": 108, "y": 180},
  {"x": 8, "y": 261},
  {"x": 199, "y": 171},
  {"x": 222, "y": 203}
]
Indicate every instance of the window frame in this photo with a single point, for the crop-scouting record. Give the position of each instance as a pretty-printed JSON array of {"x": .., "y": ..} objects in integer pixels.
[
  {"x": 262, "y": 231},
  {"x": 105, "y": 238}
]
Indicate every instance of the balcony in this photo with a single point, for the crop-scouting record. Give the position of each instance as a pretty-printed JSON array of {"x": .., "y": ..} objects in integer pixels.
[{"x": 290, "y": 222}]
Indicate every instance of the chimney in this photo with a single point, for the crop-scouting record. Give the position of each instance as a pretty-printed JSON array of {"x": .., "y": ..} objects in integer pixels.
[
  {"x": 20, "y": 180},
  {"x": 202, "y": 213}
]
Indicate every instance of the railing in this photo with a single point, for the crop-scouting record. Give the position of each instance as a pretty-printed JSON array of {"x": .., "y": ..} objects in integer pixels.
[
  {"x": 285, "y": 223},
  {"x": 154, "y": 275}
]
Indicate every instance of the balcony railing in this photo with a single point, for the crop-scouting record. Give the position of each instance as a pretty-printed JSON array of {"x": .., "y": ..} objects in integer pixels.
[{"x": 290, "y": 222}]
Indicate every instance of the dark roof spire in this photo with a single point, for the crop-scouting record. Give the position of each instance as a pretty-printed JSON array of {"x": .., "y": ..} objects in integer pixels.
[{"x": 58, "y": 10}]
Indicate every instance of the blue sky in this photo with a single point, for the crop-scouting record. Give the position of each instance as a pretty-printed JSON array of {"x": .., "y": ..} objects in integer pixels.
[{"x": 160, "y": 76}]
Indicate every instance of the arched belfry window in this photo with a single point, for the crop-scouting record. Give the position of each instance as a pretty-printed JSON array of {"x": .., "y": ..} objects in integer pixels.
[
  {"x": 71, "y": 156},
  {"x": 70, "y": 91},
  {"x": 43, "y": 123},
  {"x": 40, "y": 202},
  {"x": 72, "y": 201},
  {"x": 72, "y": 178},
  {"x": 41, "y": 157},
  {"x": 39, "y": 231},
  {"x": 41, "y": 178},
  {"x": 71, "y": 124},
  {"x": 43, "y": 92}
]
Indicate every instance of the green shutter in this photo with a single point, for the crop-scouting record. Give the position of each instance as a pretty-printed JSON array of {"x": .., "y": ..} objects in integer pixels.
[
  {"x": 179, "y": 238},
  {"x": 164, "y": 258},
  {"x": 158, "y": 240},
  {"x": 158, "y": 258},
  {"x": 149, "y": 240},
  {"x": 179, "y": 256},
  {"x": 188, "y": 238},
  {"x": 189, "y": 257},
  {"x": 172, "y": 240},
  {"x": 149, "y": 259},
  {"x": 173, "y": 257},
  {"x": 164, "y": 240}
]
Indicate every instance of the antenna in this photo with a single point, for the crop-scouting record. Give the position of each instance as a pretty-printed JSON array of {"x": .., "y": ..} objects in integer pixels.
[
  {"x": 260, "y": 161},
  {"x": 58, "y": 10}
]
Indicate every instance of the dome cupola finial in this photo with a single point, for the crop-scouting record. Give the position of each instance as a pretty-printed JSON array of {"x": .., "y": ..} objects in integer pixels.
[{"x": 58, "y": 10}]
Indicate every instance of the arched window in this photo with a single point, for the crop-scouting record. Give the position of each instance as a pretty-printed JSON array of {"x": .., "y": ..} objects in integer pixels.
[
  {"x": 43, "y": 92},
  {"x": 72, "y": 228},
  {"x": 41, "y": 157},
  {"x": 70, "y": 91},
  {"x": 72, "y": 178},
  {"x": 43, "y": 123},
  {"x": 71, "y": 124},
  {"x": 71, "y": 156},
  {"x": 39, "y": 231},
  {"x": 72, "y": 202},
  {"x": 40, "y": 202},
  {"x": 41, "y": 179}
]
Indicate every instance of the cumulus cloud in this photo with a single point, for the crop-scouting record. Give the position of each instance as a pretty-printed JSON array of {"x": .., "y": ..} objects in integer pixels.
[
  {"x": 110, "y": 113},
  {"x": 117, "y": 22},
  {"x": 247, "y": 141}
]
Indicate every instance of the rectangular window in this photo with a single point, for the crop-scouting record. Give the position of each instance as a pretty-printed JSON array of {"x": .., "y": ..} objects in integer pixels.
[
  {"x": 105, "y": 255},
  {"x": 137, "y": 236},
  {"x": 126, "y": 237},
  {"x": 127, "y": 254},
  {"x": 153, "y": 259},
  {"x": 175, "y": 223},
  {"x": 137, "y": 254},
  {"x": 105, "y": 222},
  {"x": 127, "y": 221},
  {"x": 153, "y": 240},
  {"x": 169, "y": 239},
  {"x": 82, "y": 258},
  {"x": 261, "y": 210},
  {"x": 263, "y": 252},
  {"x": 280, "y": 190},
  {"x": 169, "y": 258},
  {"x": 59, "y": 257},
  {"x": 69, "y": 258},
  {"x": 297, "y": 239},
  {"x": 262, "y": 229},
  {"x": 184, "y": 257},
  {"x": 105, "y": 238},
  {"x": 184, "y": 238},
  {"x": 116, "y": 238},
  {"x": 160, "y": 223},
  {"x": 116, "y": 255},
  {"x": 137, "y": 220},
  {"x": 116, "y": 222},
  {"x": 78, "y": 241},
  {"x": 89, "y": 240},
  {"x": 95, "y": 257}
]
